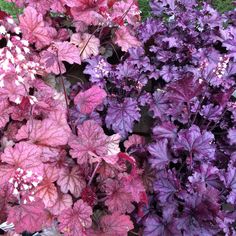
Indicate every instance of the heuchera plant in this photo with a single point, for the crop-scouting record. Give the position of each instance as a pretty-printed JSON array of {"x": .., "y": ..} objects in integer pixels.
[{"x": 112, "y": 126}]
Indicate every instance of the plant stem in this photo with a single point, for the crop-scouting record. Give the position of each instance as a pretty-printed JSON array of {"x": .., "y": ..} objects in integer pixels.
[{"x": 93, "y": 174}]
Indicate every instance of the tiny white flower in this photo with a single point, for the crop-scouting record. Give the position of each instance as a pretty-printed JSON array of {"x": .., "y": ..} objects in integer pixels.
[
  {"x": 25, "y": 42},
  {"x": 17, "y": 82},
  {"x": 18, "y": 100},
  {"x": 25, "y": 186},
  {"x": 33, "y": 100},
  {"x": 1, "y": 83},
  {"x": 2, "y": 30},
  {"x": 10, "y": 20},
  {"x": 40, "y": 178},
  {"x": 20, "y": 57},
  {"x": 31, "y": 198},
  {"x": 35, "y": 184},
  {"x": 18, "y": 50},
  {"x": 15, "y": 191},
  {"x": 18, "y": 69},
  {"x": 9, "y": 55},
  {"x": 5, "y": 65},
  {"x": 19, "y": 170},
  {"x": 17, "y": 30},
  {"x": 9, "y": 44},
  {"x": 26, "y": 49},
  {"x": 29, "y": 173},
  {"x": 20, "y": 79}
]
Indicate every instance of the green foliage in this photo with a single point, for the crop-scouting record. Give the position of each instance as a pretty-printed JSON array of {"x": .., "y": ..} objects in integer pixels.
[
  {"x": 145, "y": 8},
  {"x": 223, "y": 5},
  {"x": 10, "y": 8},
  {"x": 220, "y": 5}
]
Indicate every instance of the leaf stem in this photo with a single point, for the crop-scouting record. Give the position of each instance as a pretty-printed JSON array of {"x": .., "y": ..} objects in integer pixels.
[{"x": 93, "y": 174}]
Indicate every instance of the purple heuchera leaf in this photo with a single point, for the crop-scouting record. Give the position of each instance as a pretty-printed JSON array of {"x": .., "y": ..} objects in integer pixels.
[
  {"x": 184, "y": 90},
  {"x": 121, "y": 116},
  {"x": 166, "y": 130},
  {"x": 159, "y": 104},
  {"x": 196, "y": 143},
  {"x": 229, "y": 179},
  {"x": 199, "y": 211},
  {"x": 168, "y": 73},
  {"x": 160, "y": 154},
  {"x": 155, "y": 225},
  {"x": 206, "y": 175},
  {"x": 150, "y": 28},
  {"x": 166, "y": 185},
  {"x": 211, "y": 112},
  {"x": 232, "y": 136}
]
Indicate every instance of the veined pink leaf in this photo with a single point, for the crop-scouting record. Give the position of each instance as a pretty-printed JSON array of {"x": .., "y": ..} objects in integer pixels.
[
  {"x": 47, "y": 190},
  {"x": 87, "y": 11},
  {"x": 133, "y": 185},
  {"x": 87, "y": 101},
  {"x": 23, "y": 155},
  {"x": 118, "y": 199},
  {"x": 74, "y": 221},
  {"x": 91, "y": 138},
  {"x": 71, "y": 180},
  {"x": 4, "y": 113},
  {"x": 63, "y": 202},
  {"x": 88, "y": 44},
  {"x": 27, "y": 217},
  {"x": 112, "y": 149},
  {"x": 58, "y": 6},
  {"x": 53, "y": 57},
  {"x": 133, "y": 140},
  {"x": 44, "y": 133},
  {"x": 125, "y": 39},
  {"x": 116, "y": 225},
  {"x": 34, "y": 29},
  {"x": 11, "y": 91}
]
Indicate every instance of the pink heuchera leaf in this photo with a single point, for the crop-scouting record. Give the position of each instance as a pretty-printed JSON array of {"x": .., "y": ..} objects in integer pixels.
[
  {"x": 44, "y": 133},
  {"x": 86, "y": 11},
  {"x": 4, "y": 113},
  {"x": 91, "y": 138},
  {"x": 74, "y": 221},
  {"x": 87, "y": 101},
  {"x": 47, "y": 190},
  {"x": 63, "y": 202},
  {"x": 133, "y": 185},
  {"x": 60, "y": 51},
  {"x": 112, "y": 149},
  {"x": 118, "y": 199},
  {"x": 131, "y": 8},
  {"x": 125, "y": 39},
  {"x": 5, "y": 197},
  {"x": 58, "y": 6},
  {"x": 27, "y": 217},
  {"x": 23, "y": 155},
  {"x": 41, "y": 6},
  {"x": 112, "y": 146},
  {"x": 116, "y": 225},
  {"x": 11, "y": 91},
  {"x": 88, "y": 44},
  {"x": 71, "y": 180},
  {"x": 34, "y": 29},
  {"x": 133, "y": 140}
]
